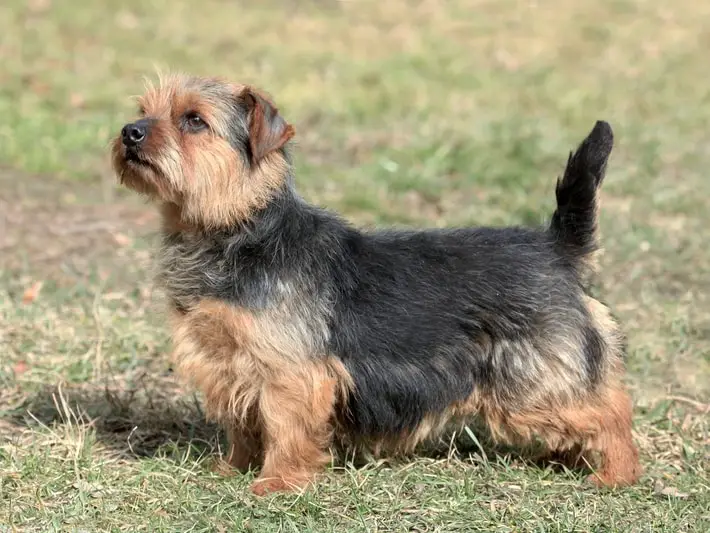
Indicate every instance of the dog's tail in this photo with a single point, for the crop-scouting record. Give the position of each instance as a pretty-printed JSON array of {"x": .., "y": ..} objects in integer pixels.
[{"x": 574, "y": 224}]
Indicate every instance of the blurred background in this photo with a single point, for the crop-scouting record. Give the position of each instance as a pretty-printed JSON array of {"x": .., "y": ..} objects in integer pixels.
[{"x": 414, "y": 113}]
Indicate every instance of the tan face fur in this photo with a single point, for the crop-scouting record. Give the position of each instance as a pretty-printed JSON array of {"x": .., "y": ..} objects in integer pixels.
[{"x": 210, "y": 153}]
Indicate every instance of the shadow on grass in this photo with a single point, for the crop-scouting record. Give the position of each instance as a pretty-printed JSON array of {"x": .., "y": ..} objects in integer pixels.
[
  {"x": 144, "y": 421},
  {"x": 159, "y": 419}
]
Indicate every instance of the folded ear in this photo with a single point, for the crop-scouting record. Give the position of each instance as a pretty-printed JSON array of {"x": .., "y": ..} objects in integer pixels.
[{"x": 268, "y": 131}]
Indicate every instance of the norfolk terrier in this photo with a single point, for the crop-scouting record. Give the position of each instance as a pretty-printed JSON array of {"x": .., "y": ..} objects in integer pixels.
[{"x": 305, "y": 333}]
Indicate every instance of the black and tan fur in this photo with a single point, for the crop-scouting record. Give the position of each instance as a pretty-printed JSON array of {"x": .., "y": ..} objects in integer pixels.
[{"x": 303, "y": 331}]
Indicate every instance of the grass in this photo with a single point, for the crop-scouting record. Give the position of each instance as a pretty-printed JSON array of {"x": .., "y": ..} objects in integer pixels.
[{"x": 408, "y": 113}]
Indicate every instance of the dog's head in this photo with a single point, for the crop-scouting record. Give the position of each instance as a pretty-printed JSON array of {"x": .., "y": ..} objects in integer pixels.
[{"x": 212, "y": 148}]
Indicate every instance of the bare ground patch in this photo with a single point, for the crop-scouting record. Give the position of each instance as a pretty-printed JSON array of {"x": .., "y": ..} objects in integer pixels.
[{"x": 60, "y": 230}]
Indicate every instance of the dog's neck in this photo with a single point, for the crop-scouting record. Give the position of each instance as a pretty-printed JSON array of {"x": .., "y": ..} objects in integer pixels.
[
  {"x": 253, "y": 264},
  {"x": 284, "y": 204}
]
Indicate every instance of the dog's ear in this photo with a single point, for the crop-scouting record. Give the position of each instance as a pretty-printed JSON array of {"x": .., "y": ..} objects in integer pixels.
[{"x": 268, "y": 131}]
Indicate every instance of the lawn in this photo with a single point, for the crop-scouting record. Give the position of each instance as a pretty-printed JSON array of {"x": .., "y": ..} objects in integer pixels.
[{"x": 408, "y": 113}]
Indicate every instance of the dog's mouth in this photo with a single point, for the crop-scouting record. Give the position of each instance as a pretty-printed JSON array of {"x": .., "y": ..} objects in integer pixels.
[{"x": 132, "y": 157}]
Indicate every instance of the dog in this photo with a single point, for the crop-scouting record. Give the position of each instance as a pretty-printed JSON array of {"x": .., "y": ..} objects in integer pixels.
[{"x": 304, "y": 332}]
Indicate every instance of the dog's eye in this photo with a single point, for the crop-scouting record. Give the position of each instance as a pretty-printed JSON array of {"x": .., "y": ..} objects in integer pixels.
[{"x": 194, "y": 123}]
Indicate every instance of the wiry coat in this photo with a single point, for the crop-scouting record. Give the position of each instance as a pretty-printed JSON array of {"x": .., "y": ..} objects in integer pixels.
[{"x": 291, "y": 320}]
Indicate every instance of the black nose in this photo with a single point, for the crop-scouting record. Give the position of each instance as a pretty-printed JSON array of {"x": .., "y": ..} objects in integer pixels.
[{"x": 134, "y": 134}]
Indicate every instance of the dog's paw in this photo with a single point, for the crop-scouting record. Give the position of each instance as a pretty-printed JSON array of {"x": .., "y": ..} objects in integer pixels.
[
  {"x": 263, "y": 486},
  {"x": 222, "y": 467},
  {"x": 606, "y": 480}
]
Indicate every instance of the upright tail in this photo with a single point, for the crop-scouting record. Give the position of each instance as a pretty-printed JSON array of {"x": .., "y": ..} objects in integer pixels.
[{"x": 574, "y": 223}]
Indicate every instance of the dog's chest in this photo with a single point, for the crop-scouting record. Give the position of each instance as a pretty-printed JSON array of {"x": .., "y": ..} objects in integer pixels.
[
  {"x": 231, "y": 340},
  {"x": 216, "y": 292}
]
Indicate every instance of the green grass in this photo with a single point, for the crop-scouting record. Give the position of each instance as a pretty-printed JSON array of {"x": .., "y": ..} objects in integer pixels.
[{"x": 408, "y": 113}]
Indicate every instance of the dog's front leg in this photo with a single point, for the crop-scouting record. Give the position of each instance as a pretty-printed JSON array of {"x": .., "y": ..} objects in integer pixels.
[{"x": 296, "y": 412}]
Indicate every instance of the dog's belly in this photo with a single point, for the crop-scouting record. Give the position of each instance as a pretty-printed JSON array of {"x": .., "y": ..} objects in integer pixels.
[{"x": 418, "y": 391}]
